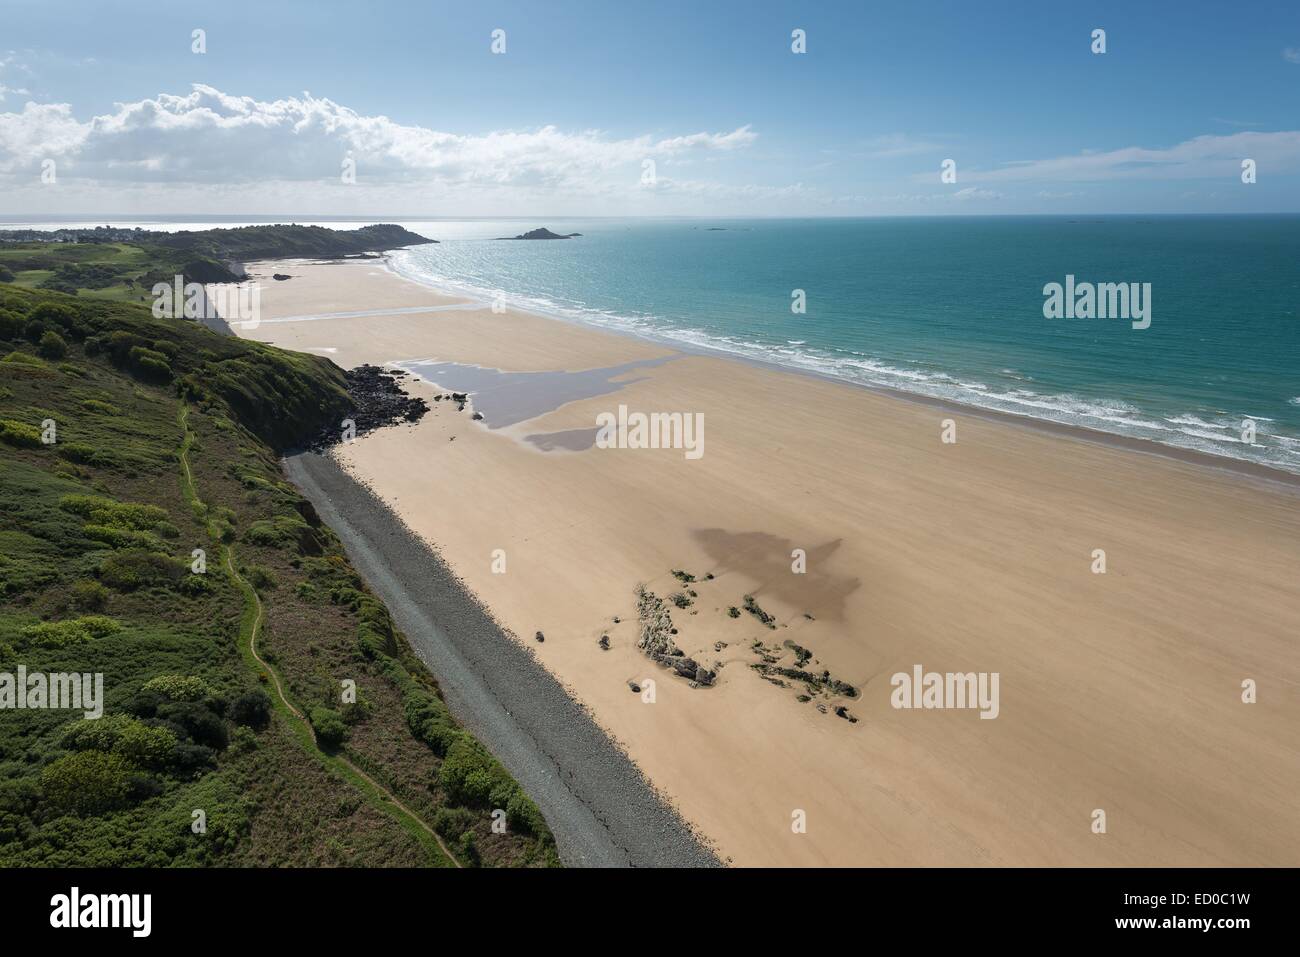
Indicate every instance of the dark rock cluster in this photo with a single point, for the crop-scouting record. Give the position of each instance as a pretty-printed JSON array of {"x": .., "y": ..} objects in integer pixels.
[
  {"x": 377, "y": 400},
  {"x": 657, "y": 642}
]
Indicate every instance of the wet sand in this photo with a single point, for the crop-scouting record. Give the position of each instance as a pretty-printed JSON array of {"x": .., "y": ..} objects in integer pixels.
[{"x": 1119, "y": 691}]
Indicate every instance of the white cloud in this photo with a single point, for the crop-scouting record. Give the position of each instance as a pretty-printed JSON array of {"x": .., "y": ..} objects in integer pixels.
[
  {"x": 39, "y": 131},
  {"x": 975, "y": 192},
  {"x": 1291, "y": 55},
  {"x": 1201, "y": 157},
  {"x": 212, "y": 137}
]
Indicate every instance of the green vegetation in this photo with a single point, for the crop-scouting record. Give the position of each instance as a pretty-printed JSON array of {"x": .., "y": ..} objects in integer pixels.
[
  {"x": 124, "y": 264},
  {"x": 101, "y": 533}
]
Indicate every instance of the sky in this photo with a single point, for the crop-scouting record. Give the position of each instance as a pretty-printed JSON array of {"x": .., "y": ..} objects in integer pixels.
[{"x": 390, "y": 108}]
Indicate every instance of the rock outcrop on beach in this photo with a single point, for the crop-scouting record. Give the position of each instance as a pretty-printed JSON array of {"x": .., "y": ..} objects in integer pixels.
[
  {"x": 541, "y": 233},
  {"x": 377, "y": 400},
  {"x": 656, "y": 639}
]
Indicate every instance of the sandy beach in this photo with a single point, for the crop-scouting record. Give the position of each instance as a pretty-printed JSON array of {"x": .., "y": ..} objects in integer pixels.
[{"x": 1120, "y": 692}]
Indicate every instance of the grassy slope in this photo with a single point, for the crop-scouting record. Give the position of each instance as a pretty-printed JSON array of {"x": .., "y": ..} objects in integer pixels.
[
  {"x": 121, "y": 272},
  {"x": 127, "y": 271},
  {"x": 272, "y": 795}
]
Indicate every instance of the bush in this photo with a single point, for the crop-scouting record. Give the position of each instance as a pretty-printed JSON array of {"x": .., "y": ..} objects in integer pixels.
[
  {"x": 466, "y": 774},
  {"x": 194, "y": 586},
  {"x": 430, "y": 721},
  {"x": 139, "y": 744},
  {"x": 106, "y": 511},
  {"x": 24, "y": 359},
  {"x": 73, "y": 631},
  {"x": 329, "y": 727},
  {"x": 243, "y": 740},
  {"x": 177, "y": 687},
  {"x": 5, "y": 274},
  {"x": 11, "y": 324},
  {"x": 54, "y": 315},
  {"x": 115, "y": 537},
  {"x": 261, "y": 578},
  {"x": 20, "y": 434},
  {"x": 89, "y": 595},
  {"x": 52, "y": 346},
  {"x": 150, "y": 365},
  {"x": 469, "y": 849},
  {"x": 85, "y": 783},
  {"x": 252, "y": 709},
  {"x": 197, "y": 721},
  {"x": 129, "y": 570},
  {"x": 95, "y": 405}
]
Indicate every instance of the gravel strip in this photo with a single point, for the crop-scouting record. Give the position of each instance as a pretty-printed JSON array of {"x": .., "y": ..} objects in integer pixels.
[{"x": 600, "y": 807}]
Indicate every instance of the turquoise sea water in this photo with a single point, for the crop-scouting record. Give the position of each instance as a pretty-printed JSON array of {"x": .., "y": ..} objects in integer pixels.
[
  {"x": 944, "y": 307},
  {"x": 950, "y": 308}
]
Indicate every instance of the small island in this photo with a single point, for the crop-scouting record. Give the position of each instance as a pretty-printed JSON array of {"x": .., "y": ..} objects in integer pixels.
[{"x": 542, "y": 233}]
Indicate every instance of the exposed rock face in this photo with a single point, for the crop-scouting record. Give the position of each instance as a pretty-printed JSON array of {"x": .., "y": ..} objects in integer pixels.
[
  {"x": 656, "y": 639},
  {"x": 541, "y": 233},
  {"x": 377, "y": 401}
]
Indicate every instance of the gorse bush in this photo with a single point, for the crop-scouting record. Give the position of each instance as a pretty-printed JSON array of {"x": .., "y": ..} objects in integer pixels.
[
  {"x": 20, "y": 434},
  {"x": 178, "y": 687},
  {"x": 56, "y": 634},
  {"x": 138, "y": 568}
]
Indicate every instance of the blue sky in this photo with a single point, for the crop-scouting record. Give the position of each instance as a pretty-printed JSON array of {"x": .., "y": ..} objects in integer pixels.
[{"x": 585, "y": 94}]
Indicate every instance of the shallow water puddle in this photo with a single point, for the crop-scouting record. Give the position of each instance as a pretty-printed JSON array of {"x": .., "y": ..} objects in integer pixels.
[{"x": 508, "y": 398}]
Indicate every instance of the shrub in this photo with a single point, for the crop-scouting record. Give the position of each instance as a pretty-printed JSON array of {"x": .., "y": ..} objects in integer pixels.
[
  {"x": 137, "y": 743},
  {"x": 450, "y": 821},
  {"x": 177, "y": 687},
  {"x": 150, "y": 365},
  {"x": 20, "y": 434},
  {"x": 430, "y": 721},
  {"x": 194, "y": 586},
  {"x": 54, "y": 314},
  {"x": 252, "y": 709},
  {"x": 243, "y": 740},
  {"x": 89, "y": 595},
  {"x": 11, "y": 324},
  {"x": 196, "y": 720},
  {"x": 5, "y": 274},
  {"x": 52, "y": 346},
  {"x": 129, "y": 570},
  {"x": 329, "y": 727},
  {"x": 105, "y": 511},
  {"x": 95, "y": 405},
  {"x": 85, "y": 782},
  {"x": 115, "y": 537},
  {"x": 73, "y": 631},
  {"x": 469, "y": 849},
  {"x": 523, "y": 815},
  {"x": 261, "y": 578},
  {"x": 466, "y": 773},
  {"x": 24, "y": 359}
]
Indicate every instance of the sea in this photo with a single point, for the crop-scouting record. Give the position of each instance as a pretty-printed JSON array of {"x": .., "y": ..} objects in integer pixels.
[{"x": 950, "y": 308}]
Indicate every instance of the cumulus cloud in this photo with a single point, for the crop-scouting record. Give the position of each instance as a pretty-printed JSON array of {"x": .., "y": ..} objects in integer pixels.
[{"x": 208, "y": 136}]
